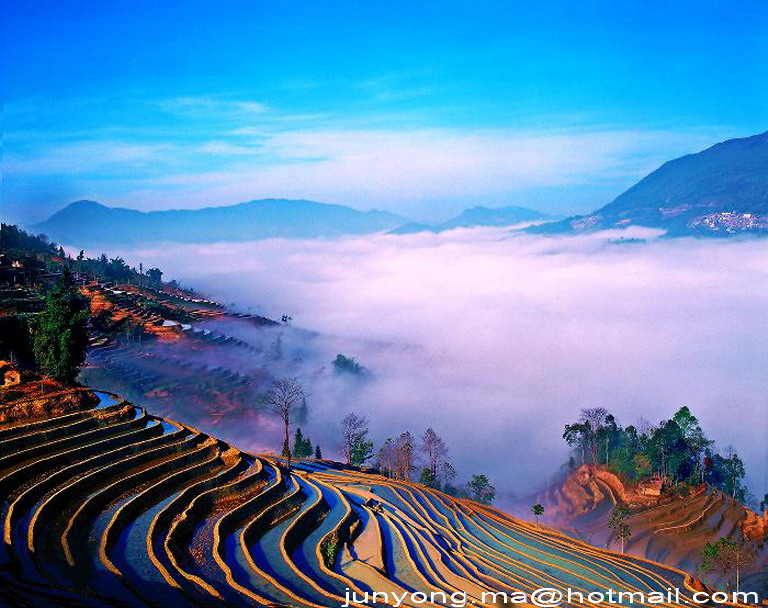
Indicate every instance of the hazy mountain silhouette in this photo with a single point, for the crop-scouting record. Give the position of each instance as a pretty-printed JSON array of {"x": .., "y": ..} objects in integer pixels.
[
  {"x": 89, "y": 222},
  {"x": 476, "y": 217}
]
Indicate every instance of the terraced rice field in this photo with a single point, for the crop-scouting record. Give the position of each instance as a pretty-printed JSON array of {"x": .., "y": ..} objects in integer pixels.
[{"x": 114, "y": 507}]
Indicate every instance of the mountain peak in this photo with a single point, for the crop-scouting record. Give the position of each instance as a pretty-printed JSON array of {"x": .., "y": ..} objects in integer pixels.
[
  {"x": 719, "y": 191},
  {"x": 84, "y": 204}
]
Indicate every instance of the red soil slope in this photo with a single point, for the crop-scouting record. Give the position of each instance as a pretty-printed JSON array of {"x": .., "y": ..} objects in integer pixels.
[{"x": 665, "y": 528}]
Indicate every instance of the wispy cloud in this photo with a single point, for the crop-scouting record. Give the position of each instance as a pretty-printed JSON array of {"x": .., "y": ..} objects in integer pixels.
[
  {"x": 218, "y": 150},
  {"x": 89, "y": 157},
  {"x": 212, "y": 106},
  {"x": 399, "y": 168}
]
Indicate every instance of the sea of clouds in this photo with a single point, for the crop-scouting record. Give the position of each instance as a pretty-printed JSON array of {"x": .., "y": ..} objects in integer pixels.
[{"x": 497, "y": 339}]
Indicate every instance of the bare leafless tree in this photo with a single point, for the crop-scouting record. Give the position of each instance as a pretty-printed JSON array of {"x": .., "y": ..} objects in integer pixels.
[
  {"x": 594, "y": 418},
  {"x": 405, "y": 458},
  {"x": 434, "y": 449},
  {"x": 385, "y": 458},
  {"x": 283, "y": 398},
  {"x": 643, "y": 426}
]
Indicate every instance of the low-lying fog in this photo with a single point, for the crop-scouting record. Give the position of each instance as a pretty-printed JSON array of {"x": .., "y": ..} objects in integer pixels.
[{"x": 498, "y": 340}]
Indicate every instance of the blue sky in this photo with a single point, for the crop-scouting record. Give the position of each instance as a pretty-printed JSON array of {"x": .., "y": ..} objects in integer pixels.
[{"x": 422, "y": 108}]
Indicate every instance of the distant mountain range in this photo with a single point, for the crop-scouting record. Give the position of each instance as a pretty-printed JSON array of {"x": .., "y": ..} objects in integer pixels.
[
  {"x": 92, "y": 223},
  {"x": 89, "y": 223},
  {"x": 722, "y": 191},
  {"x": 476, "y": 217}
]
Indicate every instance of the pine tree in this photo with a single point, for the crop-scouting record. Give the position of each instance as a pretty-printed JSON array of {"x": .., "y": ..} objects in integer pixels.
[
  {"x": 302, "y": 446},
  {"x": 298, "y": 444},
  {"x": 318, "y": 452}
]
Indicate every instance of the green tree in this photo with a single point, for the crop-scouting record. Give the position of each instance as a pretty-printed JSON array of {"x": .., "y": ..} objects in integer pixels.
[
  {"x": 357, "y": 448},
  {"x": 450, "y": 489},
  {"x": 668, "y": 450},
  {"x": 318, "y": 452},
  {"x": 694, "y": 437},
  {"x": 481, "y": 490},
  {"x": 302, "y": 446},
  {"x": 298, "y": 444},
  {"x": 362, "y": 452},
  {"x": 618, "y": 523},
  {"x": 155, "y": 275},
  {"x": 727, "y": 555},
  {"x": 577, "y": 435},
  {"x": 726, "y": 473},
  {"x": 60, "y": 337},
  {"x": 734, "y": 470},
  {"x": 538, "y": 511},
  {"x": 685, "y": 420},
  {"x": 609, "y": 437},
  {"x": 428, "y": 479}
]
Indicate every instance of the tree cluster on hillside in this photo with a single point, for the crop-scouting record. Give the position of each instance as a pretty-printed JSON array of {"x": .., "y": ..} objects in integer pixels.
[
  {"x": 16, "y": 241},
  {"x": 30, "y": 256},
  {"x": 677, "y": 450},
  {"x": 116, "y": 270},
  {"x": 401, "y": 457},
  {"x": 349, "y": 365},
  {"x": 37, "y": 253},
  {"x": 302, "y": 446}
]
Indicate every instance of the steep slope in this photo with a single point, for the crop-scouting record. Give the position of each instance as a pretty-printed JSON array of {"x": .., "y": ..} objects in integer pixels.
[
  {"x": 720, "y": 191},
  {"x": 88, "y": 223},
  {"x": 111, "y": 506},
  {"x": 668, "y": 529}
]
